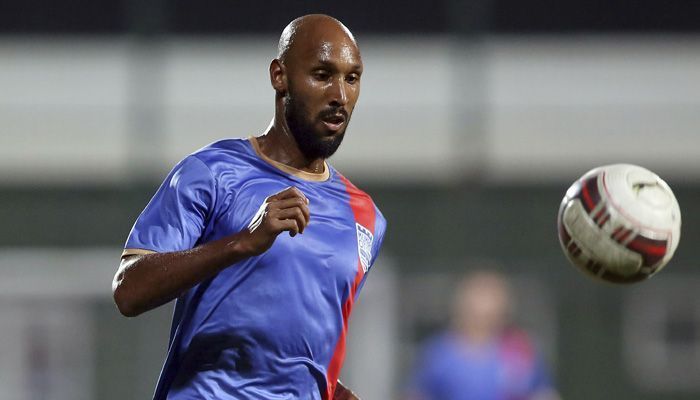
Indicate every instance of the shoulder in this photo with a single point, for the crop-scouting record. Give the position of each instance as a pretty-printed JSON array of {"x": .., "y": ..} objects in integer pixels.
[
  {"x": 204, "y": 167},
  {"x": 224, "y": 159},
  {"x": 362, "y": 203},
  {"x": 353, "y": 190},
  {"x": 357, "y": 195},
  {"x": 225, "y": 149},
  {"x": 190, "y": 169}
]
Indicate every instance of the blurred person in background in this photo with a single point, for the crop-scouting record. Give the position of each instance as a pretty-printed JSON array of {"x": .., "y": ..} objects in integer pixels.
[
  {"x": 482, "y": 356},
  {"x": 261, "y": 314}
]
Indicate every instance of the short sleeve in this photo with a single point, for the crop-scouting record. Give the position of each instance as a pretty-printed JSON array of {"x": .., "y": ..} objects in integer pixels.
[
  {"x": 379, "y": 230},
  {"x": 177, "y": 215}
]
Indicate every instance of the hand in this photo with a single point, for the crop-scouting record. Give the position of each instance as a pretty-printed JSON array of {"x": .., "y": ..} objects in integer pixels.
[{"x": 287, "y": 210}]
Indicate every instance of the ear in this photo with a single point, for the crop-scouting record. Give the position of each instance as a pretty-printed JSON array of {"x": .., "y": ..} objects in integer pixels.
[{"x": 278, "y": 76}]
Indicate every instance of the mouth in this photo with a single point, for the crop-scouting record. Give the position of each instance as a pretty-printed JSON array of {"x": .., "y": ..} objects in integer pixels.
[{"x": 334, "y": 122}]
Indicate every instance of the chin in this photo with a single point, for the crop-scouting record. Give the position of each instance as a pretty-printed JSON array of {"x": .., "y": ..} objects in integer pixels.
[{"x": 330, "y": 135}]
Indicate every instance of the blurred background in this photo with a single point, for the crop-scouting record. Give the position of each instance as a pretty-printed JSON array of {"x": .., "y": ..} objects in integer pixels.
[{"x": 474, "y": 119}]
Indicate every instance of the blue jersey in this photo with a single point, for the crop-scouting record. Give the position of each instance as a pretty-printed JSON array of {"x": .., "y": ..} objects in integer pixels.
[
  {"x": 507, "y": 368},
  {"x": 271, "y": 326}
]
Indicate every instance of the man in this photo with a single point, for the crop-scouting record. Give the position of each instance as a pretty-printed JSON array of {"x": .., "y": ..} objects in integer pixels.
[
  {"x": 262, "y": 314},
  {"x": 482, "y": 356}
]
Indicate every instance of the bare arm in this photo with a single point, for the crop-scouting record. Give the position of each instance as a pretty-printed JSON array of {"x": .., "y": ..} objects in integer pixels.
[{"x": 144, "y": 282}]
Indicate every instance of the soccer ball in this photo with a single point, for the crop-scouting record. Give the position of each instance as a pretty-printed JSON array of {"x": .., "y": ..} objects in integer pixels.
[{"x": 620, "y": 223}]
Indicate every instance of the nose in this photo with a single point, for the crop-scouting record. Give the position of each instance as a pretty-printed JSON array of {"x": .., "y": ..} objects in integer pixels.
[{"x": 338, "y": 93}]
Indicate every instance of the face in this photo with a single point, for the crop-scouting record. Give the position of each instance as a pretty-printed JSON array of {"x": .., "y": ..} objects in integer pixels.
[
  {"x": 483, "y": 303},
  {"x": 323, "y": 84}
]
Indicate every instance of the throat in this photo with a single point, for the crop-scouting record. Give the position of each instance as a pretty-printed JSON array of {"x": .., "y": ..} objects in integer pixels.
[{"x": 274, "y": 153}]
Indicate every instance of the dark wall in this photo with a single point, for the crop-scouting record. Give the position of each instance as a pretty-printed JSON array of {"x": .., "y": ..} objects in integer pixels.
[
  {"x": 363, "y": 16},
  {"x": 429, "y": 228},
  {"x": 424, "y": 221}
]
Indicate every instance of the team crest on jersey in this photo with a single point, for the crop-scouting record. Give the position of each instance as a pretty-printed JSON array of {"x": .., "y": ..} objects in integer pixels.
[{"x": 364, "y": 245}]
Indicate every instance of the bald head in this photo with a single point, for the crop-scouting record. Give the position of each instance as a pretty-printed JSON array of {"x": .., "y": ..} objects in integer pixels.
[
  {"x": 316, "y": 77},
  {"x": 311, "y": 31}
]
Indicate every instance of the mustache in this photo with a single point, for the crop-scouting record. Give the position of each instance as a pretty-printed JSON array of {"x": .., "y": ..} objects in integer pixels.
[{"x": 333, "y": 111}]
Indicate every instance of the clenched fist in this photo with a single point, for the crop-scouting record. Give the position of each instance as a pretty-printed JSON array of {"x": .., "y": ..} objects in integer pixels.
[{"x": 287, "y": 210}]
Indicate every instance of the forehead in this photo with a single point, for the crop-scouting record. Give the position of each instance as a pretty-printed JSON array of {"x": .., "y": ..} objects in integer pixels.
[{"x": 333, "y": 49}]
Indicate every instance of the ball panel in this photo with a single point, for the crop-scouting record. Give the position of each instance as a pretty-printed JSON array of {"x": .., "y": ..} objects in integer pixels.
[
  {"x": 624, "y": 185},
  {"x": 595, "y": 245},
  {"x": 593, "y": 268},
  {"x": 589, "y": 193},
  {"x": 652, "y": 251}
]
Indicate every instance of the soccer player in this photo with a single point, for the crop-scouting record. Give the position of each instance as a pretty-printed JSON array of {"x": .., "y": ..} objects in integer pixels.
[
  {"x": 262, "y": 243},
  {"x": 482, "y": 356}
]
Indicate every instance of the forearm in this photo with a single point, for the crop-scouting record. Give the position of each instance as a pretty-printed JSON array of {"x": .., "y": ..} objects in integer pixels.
[{"x": 147, "y": 281}]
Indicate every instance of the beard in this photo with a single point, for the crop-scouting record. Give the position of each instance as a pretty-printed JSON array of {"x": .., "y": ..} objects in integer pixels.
[{"x": 312, "y": 143}]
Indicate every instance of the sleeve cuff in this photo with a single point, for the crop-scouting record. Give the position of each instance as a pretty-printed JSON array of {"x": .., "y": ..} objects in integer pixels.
[{"x": 133, "y": 252}]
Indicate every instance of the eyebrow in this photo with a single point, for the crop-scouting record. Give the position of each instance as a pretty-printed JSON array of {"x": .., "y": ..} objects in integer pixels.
[{"x": 327, "y": 63}]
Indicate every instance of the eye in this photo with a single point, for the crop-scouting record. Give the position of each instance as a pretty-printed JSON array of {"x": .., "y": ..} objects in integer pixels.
[
  {"x": 352, "y": 78},
  {"x": 321, "y": 75}
]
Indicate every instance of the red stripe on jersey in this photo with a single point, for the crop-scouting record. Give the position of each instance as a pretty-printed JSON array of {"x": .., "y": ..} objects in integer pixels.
[{"x": 363, "y": 209}]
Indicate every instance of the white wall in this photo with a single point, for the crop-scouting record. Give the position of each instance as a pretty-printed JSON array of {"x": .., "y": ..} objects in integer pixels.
[
  {"x": 533, "y": 109},
  {"x": 558, "y": 107}
]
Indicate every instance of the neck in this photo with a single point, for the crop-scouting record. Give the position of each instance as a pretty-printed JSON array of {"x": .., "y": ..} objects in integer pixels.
[{"x": 278, "y": 143}]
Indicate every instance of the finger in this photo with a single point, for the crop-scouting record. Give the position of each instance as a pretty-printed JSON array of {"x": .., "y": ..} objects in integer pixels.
[
  {"x": 287, "y": 193},
  {"x": 291, "y": 203},
  {"x": 292, "y": 213},
  {"x": 283, "y": 194},
  {"x": 287, "y": 203},
  {"x": 289, "y": 225}
]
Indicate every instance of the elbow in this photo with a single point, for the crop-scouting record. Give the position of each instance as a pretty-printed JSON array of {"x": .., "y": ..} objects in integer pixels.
[
  {"x": 123, "y": 291},
  {"x": 125, "y": 303},
  {"x": 126, "y": 307}
]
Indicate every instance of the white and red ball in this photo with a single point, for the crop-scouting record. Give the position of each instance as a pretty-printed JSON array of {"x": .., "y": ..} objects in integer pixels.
[{"x": 620, "y": 223}]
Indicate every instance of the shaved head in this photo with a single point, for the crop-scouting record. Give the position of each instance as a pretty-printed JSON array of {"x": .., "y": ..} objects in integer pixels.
[
  {"x": 308, "y": 30},
  {"x": 316, "y": 77}
]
